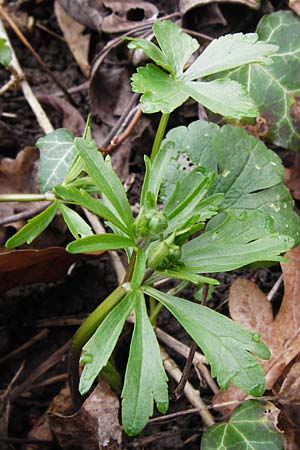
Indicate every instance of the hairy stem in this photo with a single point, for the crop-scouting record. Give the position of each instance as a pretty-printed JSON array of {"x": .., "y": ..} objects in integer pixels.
[{"x": 159, "y": 134}]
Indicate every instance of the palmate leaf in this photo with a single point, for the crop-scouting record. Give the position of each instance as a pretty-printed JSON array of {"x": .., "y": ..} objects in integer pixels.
[
  {"x": 227, "y": 347},
  {"x": 57, "y": 152},
  {"x": 275, "y": 88},
  {"x": 248, "y": 428},
  {"x": 145, "y": 378},
  {"x": 164, "y": 93},
  {"x": 100, "y": 346},
  {"x": 248, "y": 174}
]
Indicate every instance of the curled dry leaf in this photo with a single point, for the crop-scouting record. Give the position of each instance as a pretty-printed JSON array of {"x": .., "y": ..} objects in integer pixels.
[
  {"x": 23, "y": 267},
  {"x": 94, "y": 427},
  {"x": 292, "y": 177},
  {"x": 187, "y": 5},
  {"x": 77, "y": 41},
  {"x": 110, "y": 16},
  {"x": 282, "y": 335}
]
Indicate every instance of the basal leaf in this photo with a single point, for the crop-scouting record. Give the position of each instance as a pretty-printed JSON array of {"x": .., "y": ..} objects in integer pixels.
[
  {"x": 100, "y": 242},
  {"x": 145, "y": 378},
  {"x": 100, "y": 346},
  {"x": 228, "y": 52},
  {"x": 275, "y": 88},
  {"x": 235, "y": 242},
  {"x": 78, "y": 227},
  {"x": 5, "y": 53},
  {"x": 248, "y": 174},
  {"x": 57, "y": 152},
  {"x": 105, "y": 179},
  {"x": 248, "y": 428},
  {"x": 228, "y": 347},
  {"x": 34, "y": 227}
]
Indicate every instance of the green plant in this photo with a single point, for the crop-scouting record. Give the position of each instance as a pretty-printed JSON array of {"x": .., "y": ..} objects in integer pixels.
[{"x": 212, "y": 200}]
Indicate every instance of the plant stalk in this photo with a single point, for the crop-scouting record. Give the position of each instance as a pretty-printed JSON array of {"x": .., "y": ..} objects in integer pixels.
[
  {"x": 159, "y": 135},
  {"x": 48, "y": 196}
]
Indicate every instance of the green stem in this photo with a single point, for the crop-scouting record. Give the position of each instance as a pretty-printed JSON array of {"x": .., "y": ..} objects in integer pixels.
[
  {"x": 48, "y": 196},
  {"x": 83, "y": 334},
  {"x": 159, "y": 135}
]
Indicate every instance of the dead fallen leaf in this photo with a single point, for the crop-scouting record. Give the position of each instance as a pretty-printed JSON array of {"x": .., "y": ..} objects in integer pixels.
[
  {"x": 71, "y": 117},
  {"x": 87, "y": 12},
  {"x": 77, "y": 41},
  {"x": 294, "y": 5},
  {"x": 94, "y": 427},
  {"x": 292, "y": 177},
  {"x": 282, "y": 336},
  {"x": 23, "y": 267},
  {"x": 187, "y": 5}
]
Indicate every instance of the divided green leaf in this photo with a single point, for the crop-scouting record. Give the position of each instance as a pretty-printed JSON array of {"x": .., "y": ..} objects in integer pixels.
[
  {"x": 228, "y": 347},
  {"x": 5, "y": 53},
  {"x": 57, "y": 152},
  {"x": 164, "y": 92},
  {"x": 78, "y": 227},
  {"x": 99, "y": 242},
  {"x": 145, "y": 378},
  {"x": 275, "y": 88},
  {"x": 249, "y": 427}
]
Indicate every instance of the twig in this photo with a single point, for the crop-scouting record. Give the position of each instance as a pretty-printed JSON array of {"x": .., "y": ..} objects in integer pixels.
[
  {"x": 13, "y": 81},
  {"x": 27, "y": 91},
  {"x": 55, "y": 379},
  {"x": 116, "y": 260},
  {"x": 191, "y": 393},
  {"x": 40, "y": 370},
  {"x": 24, "y": 346},
  {"x": 21, "y": 36},
  {"x": 24, "y": 215},
  {"x": 117, "y": 140},
  {"x": 275, "y": 288}
]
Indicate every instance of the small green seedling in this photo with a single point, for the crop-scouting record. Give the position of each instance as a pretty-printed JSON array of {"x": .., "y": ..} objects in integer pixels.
[{"x": 212, "y": 200}]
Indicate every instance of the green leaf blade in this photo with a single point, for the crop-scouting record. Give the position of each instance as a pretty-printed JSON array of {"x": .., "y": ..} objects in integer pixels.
[
  {"x": 78, "y": 227},
  {"x": 247, "y": 428},
  {"x": 34, "y": 227},
  {"x": 100, "y": 242},
  {"x": 226, "y": 345},
  {"x": 145, "y": 378},
  {"x": 228, "y": 52},
  {"x": 57, "y": 152},
  {"x": 101, "y": 345},
  {"x": 5, "y": 53}
]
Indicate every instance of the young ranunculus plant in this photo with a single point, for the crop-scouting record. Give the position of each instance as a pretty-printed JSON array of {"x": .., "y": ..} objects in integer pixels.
[{"x": 212, "y": 200}]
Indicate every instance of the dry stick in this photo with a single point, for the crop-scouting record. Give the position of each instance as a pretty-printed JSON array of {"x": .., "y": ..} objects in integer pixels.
[
  {"x": 21, "y": 36},
  {"x": 52, "y": 380},
  {"x": 27, "y": 91},
  {"x": 40, "y": 370},
  {"x": 275, "y": 288},
  {"x": 24, "y": 346},
  {"x": 14, "y": 79},
  {"x": 117, "y": 140},
  {"x": 24, "y": 215},
  {"x": 116, "y": 260},
  {"x": 190, "y": 392}
]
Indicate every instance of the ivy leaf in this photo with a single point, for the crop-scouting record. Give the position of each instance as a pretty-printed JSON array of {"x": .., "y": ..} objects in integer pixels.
[
  {"x": 164, "y": 93},
  {"x": 105, "y": 179},
  {"x": 227, "y": 347},
  {"x": 5, "y": 53},
  {"x": 248, "y": 174},
  {"x": 34, "y": 227},
  {"x": 100, "y": 242},
  {"x": 248, "y": 428},
  {"x": 275, "y": 91},
  {"x": 235, "y": 242},
  {"x": 100, "y": 346},
  {"x": 145, "y": 378},
  {"x": 78, "y": 227},
  {"x": 57, "y": 152},
  {"x": 228, "y": 52}
]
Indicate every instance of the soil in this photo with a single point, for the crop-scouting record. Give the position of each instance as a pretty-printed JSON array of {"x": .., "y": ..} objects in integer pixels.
[{"x": 26, "y": 310}]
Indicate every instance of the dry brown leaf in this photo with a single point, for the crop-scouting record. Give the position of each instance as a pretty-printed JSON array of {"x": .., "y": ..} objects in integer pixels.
[
  {"x": 23, "y": 267},
  {"x": 77, "y": 42},
  {"x": 283, "y": 335},
  {"x": 187, "y": 5},
  {"x": 94, "y": 427},
  {"x": 292, "y": 176},
  {"x": 295, "y": 6},
  {"x": 87, "y": 12}
]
